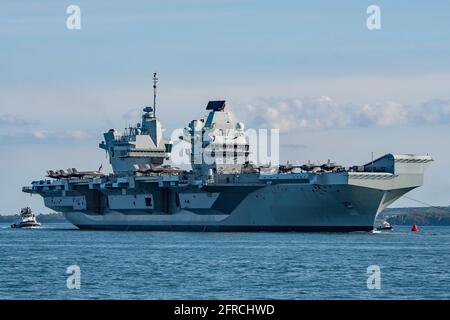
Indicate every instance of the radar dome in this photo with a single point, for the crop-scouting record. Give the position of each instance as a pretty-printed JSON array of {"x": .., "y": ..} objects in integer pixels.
[{"x": 240, "y": 126}]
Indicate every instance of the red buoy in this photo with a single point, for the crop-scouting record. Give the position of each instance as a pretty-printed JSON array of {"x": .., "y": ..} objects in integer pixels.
[{"x": 415, "y": 228}]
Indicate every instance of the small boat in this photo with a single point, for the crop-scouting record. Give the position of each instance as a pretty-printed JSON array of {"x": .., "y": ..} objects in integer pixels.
[
  {"x": 384, "y": 226},
  {"x": 27, "y": 219}
]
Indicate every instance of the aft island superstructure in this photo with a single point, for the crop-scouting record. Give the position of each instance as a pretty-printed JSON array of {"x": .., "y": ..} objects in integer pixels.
[{"x": 144, "y": 193}]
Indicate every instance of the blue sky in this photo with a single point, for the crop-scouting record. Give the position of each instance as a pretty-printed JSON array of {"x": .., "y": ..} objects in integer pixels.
[
  {"x": 218, "y": 40},
  {"x": 60, "y": 89}
]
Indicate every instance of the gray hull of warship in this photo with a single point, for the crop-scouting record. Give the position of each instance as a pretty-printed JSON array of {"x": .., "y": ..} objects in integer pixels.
[{"x": 145, "y": 194}]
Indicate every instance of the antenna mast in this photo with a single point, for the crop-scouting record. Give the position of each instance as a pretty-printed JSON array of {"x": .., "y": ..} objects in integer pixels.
[{"x": 155, "y": 81}]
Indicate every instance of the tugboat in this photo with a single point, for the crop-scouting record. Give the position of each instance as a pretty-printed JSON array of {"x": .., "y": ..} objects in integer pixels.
[
  {"x": 384, "y": 226},
  {"x": 27, "y": 219}
]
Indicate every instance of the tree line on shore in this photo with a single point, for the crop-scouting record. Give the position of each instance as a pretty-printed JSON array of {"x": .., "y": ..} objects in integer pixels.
[{"x": 432, "y": 216}]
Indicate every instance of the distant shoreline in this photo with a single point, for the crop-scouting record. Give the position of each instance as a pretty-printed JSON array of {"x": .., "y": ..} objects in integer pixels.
[
  {"x": 42, "y": 218},
  {"x": 425, "y": 216}
]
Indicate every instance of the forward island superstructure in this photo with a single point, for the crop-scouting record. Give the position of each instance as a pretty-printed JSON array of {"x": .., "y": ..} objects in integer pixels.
[{"x": 144, "y": 193}]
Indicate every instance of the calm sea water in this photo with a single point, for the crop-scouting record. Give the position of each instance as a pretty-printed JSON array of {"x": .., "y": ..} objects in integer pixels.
[{"x": 189, "y": 265}]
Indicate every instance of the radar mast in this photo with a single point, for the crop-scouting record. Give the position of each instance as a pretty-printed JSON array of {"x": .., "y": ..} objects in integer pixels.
[{"x": 155, "y": 81}]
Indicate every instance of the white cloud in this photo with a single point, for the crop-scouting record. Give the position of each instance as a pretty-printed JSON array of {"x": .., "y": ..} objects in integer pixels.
[
  {"x": 381, "y": 115},
  {"x": 74, "y": 135},
  {"x": 133, "y": 114},
  {"x": 435, "y": 111},
  {"x": 324, "y": 113},
  {"x": 41, "y": 135},
  {"x": 13, "y": 120}
]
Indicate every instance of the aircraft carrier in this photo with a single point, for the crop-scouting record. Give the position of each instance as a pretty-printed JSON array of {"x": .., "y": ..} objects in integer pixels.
[{"x": 145, "y": 193}]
